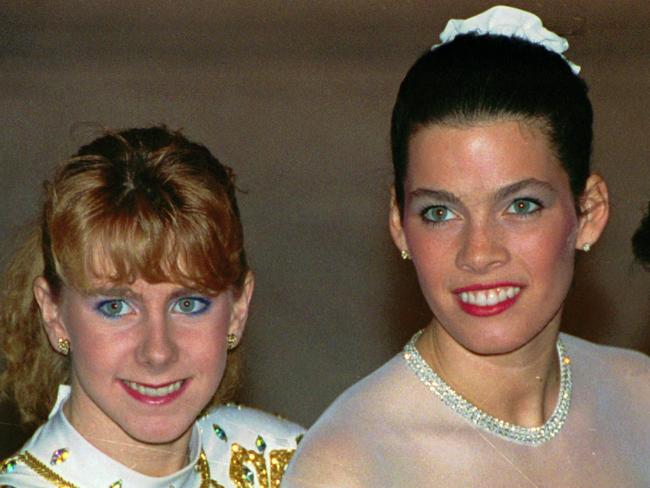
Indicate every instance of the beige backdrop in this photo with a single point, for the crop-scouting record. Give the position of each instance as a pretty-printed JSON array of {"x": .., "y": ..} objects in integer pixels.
[{"x": 297, "y": 97}]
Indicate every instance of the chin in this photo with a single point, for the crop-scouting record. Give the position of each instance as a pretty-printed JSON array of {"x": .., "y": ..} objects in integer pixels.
[
  {"x": 494, "y": 343},
  {"x": 152, "y": 431}
]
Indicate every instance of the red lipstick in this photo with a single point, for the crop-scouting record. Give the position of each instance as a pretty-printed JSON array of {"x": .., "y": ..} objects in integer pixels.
[{"x": 468, "y": 294}]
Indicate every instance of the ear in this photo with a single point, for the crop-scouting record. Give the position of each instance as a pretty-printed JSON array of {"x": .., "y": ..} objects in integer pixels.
[
  {"x": 50, "y": 312},
  {"x": 594, "y": 207},
  {"x": 395, "y": 223},
  {"x": 239, "y": 312}
]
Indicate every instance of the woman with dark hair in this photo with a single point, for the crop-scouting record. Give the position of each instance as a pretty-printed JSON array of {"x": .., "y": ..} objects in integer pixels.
[
  {"x": 121, "y": 316},
  {"x": 641, "y": 240},
  {"x": 491, "y": 140}
]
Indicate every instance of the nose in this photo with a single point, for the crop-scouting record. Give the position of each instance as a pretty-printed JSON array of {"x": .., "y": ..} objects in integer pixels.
[
  {"x": 157, "y": 348},
  {"x": 481, "y": 248}
]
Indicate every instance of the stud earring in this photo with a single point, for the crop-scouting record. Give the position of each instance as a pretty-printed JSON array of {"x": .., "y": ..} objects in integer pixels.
[
  {"x": 232, "y": 341},
  {"x": 405, "y": 254},
  {"x": 63, "y": 345},
  {"x": 586, "y": 247}
]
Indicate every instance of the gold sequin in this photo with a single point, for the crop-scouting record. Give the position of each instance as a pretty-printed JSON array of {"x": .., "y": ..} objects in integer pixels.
[
  {"x": 246, "y": 465},
  {"x": 279, "y": 460},
  {"x": 203, "y": 467},
  {"x": 47, "y": 474},
  {"x": 43, "y": 471}
]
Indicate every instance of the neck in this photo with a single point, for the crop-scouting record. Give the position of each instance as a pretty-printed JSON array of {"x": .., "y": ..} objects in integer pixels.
[
  {"x": 520, "y": 387},
  {"x": 155, "y": 460}
]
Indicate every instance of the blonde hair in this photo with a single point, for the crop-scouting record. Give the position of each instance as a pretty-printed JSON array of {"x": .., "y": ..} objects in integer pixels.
[{"x": 140, "y": 203}]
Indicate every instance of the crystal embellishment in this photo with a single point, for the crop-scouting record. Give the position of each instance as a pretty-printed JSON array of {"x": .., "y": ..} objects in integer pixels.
[
  {"x": 260, "y": 444},
  {"x": 9, "y": 466},
  {"x": 117, "y": 484},
  {"x": 219, "y": 432},
  {"x": 479, "y": 418},
  {"x": 59, "y": 456},
  {"x": 248, "y": 477}
]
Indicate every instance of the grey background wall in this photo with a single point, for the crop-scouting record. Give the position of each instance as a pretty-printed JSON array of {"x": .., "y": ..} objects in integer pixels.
[{"x": 296, "y": 96}]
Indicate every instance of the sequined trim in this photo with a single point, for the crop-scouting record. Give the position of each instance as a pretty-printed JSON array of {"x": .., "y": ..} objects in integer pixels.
[
  {"x": 483, "y": 420},
  {"x": 203, "y": 467},
  {"x": 248, "y": 467},
  {"x": 43, "y": 471},
  {"x": 279, "y": 461},
  {"x": 47, "y": 474}
]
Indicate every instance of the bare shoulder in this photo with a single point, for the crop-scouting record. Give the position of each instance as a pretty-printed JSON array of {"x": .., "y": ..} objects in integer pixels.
[
  {"x": 328, "y": 459},
  {"x": 340, "y": 448},
  {"x": 619, "y": 361}
]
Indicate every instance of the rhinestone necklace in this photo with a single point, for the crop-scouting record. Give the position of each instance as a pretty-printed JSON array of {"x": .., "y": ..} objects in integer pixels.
[{"x": 523, "y": 435}]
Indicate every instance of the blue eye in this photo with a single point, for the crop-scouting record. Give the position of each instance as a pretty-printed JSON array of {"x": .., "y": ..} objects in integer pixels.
[
  {"x": 437, "y": 214},
  {"x": 524, "y": 206},
  {"x": 191, "y": 305},
  {"x": 114, "y": 308}
]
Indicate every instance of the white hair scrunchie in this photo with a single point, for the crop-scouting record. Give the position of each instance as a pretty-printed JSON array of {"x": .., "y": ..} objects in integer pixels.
[{"x": 512, "y": 22}]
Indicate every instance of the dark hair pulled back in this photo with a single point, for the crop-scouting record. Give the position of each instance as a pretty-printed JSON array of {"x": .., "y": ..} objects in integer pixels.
[{"x": 477, "y": 78}]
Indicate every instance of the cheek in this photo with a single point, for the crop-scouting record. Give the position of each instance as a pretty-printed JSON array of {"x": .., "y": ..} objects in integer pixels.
[
  {"x": 551, "y": 249},
  {"x": 432, "y": 255},
  {"x": 95, "y": 348},
  {"x": 207, "y": 351},
  {"x": 205, "y": 348}
]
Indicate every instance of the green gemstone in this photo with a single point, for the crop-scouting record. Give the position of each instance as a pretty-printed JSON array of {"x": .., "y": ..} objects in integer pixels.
[
  {"x": 9, "y": 466},
  {"x": 261, "y": 445},
  {"x": 219, "y": 432},
  {"x": 249, "y": 477},
  {"x": 117, "y": 484}
]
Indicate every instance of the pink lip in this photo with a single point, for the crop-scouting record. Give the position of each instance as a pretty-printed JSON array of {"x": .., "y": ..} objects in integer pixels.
[
  {"x": 486, "y": 310},
  {"x": 158, "y": 400}
]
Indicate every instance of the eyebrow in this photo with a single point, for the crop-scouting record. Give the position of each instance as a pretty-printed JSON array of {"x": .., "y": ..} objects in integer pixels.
[
  {"x": 123, "y": 291},
  {"x": 441, "y": 195},
  {"x": 502, "y": 193},
  {"x": 120, "y": 291},
  {"x": 510, "y": 190}
]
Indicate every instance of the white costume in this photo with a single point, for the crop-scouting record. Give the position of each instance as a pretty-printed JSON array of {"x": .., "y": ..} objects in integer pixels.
[
  {"x": 231, "y": 446},
  {"x": 392, "y": 430}
]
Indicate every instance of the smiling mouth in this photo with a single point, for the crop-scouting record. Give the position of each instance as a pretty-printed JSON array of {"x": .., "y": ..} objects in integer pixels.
[
  {"x": 152, "y": 391},
  {"x": 489, "y": 297}
]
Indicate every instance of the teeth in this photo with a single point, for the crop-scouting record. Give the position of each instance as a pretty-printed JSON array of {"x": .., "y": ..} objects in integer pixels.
[
  {"x": 491, "y": 297},
  {"x": 154, "y": 392}
]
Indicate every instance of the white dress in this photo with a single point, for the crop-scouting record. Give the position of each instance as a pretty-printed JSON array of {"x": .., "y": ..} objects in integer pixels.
[
  {"x": 231, "y": 446},
  {"x": 391, "y": 430}
]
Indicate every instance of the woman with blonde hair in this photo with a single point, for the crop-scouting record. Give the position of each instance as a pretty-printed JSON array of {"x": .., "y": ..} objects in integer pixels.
[
  {"x": 121, "y": 316},
  {"x": 493, "y": 196}
]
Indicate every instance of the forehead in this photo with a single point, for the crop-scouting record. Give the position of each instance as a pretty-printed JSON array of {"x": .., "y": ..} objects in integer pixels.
[
  {"x": 481, "y": 156},
  {"x": 105, "y": 268}
]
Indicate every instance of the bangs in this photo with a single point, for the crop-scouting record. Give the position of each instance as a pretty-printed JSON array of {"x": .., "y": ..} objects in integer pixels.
[
  {"x": 156, "y": 237},
  {"x": 186, "y": 252}
]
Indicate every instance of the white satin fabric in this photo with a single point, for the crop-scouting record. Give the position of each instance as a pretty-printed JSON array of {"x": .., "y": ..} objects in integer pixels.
[{"x": 389, "y": 430}]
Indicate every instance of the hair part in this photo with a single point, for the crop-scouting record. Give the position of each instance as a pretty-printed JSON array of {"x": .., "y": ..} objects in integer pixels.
[{"x": 140, "y": 203}]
